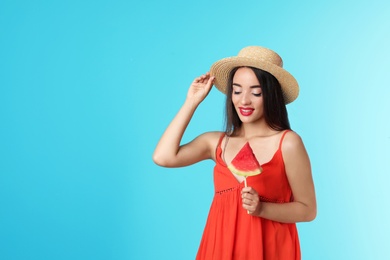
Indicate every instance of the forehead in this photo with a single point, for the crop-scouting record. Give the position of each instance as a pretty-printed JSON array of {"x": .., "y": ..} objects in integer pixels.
[{"x": 245, "y": 77}]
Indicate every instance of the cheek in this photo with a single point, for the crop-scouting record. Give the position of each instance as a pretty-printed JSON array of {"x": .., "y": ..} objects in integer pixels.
[
  {"x": 234, "y": 99},
  {"x": 260, "y": 104},
  {"x": 257, "y": 101}
]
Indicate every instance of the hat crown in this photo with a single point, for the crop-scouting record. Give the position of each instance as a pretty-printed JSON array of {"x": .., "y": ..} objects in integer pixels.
[
  {"x": 261, "y": 53},
  {"x": 260, "y": 58}
]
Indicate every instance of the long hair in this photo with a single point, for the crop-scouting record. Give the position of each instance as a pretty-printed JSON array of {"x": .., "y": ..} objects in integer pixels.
[{"x": 275, "y": 112}]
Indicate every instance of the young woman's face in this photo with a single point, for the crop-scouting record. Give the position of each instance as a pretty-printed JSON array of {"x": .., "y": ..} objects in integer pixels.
[{"x": 247, "y": 97}]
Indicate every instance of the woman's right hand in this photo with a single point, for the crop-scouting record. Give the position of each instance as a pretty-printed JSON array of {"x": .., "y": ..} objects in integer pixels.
[{"x": 200, "y": 88}]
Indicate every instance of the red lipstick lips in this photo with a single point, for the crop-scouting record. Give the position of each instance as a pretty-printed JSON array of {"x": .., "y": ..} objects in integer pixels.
[{"x": 246, "y": 111}]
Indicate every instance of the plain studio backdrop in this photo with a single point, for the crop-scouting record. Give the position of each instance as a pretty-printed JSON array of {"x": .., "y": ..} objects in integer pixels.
[{"x": 88, "y": 87}]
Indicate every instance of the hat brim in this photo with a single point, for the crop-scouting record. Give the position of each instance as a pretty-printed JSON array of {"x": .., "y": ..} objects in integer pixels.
[{"x": 222, "y": 68}]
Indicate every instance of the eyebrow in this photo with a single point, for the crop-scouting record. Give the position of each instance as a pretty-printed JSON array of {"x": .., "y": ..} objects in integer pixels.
[{"x": 254, "y": 86}]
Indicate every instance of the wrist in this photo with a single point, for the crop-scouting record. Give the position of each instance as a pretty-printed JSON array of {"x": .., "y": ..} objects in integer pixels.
[
  {"x": 259, "y": 210},
  {"x": 191, "y": 104}
]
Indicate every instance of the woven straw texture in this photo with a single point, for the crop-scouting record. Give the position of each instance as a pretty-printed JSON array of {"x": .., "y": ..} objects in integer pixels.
[{"x": 261, "y": 58}]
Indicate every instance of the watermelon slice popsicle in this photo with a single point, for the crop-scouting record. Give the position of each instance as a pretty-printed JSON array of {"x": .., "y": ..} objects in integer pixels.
[{"x": 245, "y": 163}]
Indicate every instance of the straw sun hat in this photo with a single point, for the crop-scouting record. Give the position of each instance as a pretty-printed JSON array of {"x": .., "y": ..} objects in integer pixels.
[{"x": 261, "y": 58}]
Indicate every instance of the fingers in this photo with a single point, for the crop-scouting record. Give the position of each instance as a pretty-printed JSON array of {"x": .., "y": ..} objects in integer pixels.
[
  {"x": 250, "y": 197},
  {"x": 248, "y": 190},
  {"x": 210, "y": 81},
  {"x": 250, "y": 200},
  {"x": 205, "y": 78}
]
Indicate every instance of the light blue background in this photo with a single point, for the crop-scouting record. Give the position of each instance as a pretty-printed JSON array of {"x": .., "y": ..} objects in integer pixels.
[{"x": 87, "y": 88}]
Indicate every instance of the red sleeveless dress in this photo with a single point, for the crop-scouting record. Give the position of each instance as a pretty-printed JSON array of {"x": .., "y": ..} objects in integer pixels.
[{"x": 231, "y": 233}]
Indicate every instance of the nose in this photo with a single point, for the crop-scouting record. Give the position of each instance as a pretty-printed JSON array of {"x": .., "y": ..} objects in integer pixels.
[{"x": 245, "y": 98}]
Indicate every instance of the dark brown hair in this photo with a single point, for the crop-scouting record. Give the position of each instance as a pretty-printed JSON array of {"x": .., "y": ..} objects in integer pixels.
[{"x": 275, "y": 112}]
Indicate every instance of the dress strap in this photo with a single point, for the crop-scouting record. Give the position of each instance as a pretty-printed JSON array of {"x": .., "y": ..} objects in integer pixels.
[
  {"x": 220, "y": 139},
  {"x": 281, "y": 139},
  {"x": 224, "y": 148},
  {"x": 218, "y": 149},
  {"x": 219, "y": 142}
]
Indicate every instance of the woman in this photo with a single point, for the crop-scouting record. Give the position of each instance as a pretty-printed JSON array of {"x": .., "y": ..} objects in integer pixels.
[{"x": 257, "y": 220}]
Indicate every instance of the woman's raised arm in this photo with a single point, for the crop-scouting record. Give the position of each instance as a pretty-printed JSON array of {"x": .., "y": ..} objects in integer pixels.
[{"x": 168, "y": 152}]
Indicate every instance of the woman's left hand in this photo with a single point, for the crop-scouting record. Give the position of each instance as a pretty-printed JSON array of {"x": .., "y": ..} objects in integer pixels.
[{"x": 251, "y": 201}]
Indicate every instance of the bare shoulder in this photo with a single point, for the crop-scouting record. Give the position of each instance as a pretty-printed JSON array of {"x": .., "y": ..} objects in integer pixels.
[
  {"x": 291, "y": 140},
  {"x": 292, "y": 144},
  {"x": 293, "y": 148},
  {"x": 211, "y": 138}
]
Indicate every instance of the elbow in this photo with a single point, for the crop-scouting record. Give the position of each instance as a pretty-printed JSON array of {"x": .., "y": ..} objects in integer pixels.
[
  {"x": 160, "y": 160},
  {"x": 307, "y": 212},
  {"x": 311, "y": 214}
]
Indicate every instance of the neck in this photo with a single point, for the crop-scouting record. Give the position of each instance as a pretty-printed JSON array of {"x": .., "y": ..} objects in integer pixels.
[{"x": 250, "y": 130}]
